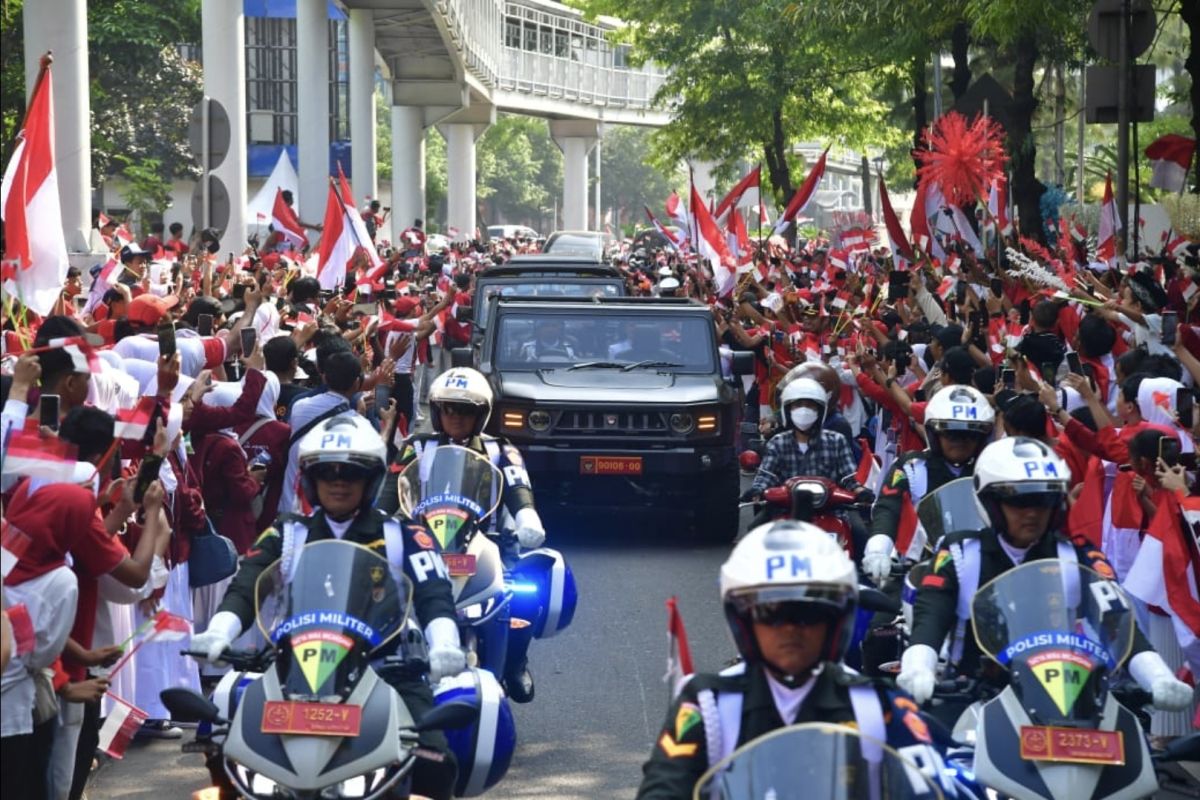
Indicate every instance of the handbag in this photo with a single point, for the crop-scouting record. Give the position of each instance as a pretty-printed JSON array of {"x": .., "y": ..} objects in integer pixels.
[{"x": 213, "y": 557}]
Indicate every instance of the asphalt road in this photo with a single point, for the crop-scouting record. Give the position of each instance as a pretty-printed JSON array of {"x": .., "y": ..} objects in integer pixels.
[{"x": 600, "y": 698}]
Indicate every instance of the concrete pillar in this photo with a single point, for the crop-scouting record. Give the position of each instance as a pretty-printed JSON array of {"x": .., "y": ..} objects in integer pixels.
[
  {"x": 408, "y": 168},
  {"x": 61, "y": 26},
  {"x": 312, "y": 107},
  {"x": 460, "y": 176},
  {"x": 363, "y": 177},
  {"x": 224, "y": 38},
  {"x": 575, "y": 138}
]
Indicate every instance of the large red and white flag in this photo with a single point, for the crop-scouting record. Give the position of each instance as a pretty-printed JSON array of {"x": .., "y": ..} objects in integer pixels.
[
  {"x": 680, "y": 217},
  {"x": 1171, "y": 158},
  {"x": 901, "y": 249},
  {"x": 658, "y": 226},
  {"x": 745, "y": 193},
  {"x": 29, "y": 454},
  {"x": 711, "y": 245},
  {"x": 803, "y": 195},
  {"x": 284, "y": 220},
  {"x": 338, "y": 243},
  {"x": 679, "y": 654},
  {"x": 1164, "y": 573},
  {"x": 120, "y": 726},
  {"x": 1110, "y": 223},
  {"x": 739, "y": 242},
  {"x": 34, "y": 266},
  {"x": 927, "y": 206},
  {"x": 998, "y": 206}
]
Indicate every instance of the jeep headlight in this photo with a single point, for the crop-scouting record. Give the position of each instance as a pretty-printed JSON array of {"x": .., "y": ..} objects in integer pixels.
[
  {"x": 682, "y": 423},
  {"x": 539, "y": 421}
]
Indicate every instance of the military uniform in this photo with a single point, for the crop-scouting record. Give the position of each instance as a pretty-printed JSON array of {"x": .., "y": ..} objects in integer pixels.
[
  {"x": 936, "y": 610},
  {"x": 911, "y": 478},
  {"x": 432, "y": 597},
  {"x": 681, "y": 752}
]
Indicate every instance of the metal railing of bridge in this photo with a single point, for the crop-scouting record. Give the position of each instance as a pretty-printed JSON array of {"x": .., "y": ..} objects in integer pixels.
[{"x": 476, "y": 27}]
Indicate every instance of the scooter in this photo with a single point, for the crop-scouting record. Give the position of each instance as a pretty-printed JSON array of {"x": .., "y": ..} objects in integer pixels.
[
  {"x": 318, "y": 720},
  {"x": 809, "y": 499}
]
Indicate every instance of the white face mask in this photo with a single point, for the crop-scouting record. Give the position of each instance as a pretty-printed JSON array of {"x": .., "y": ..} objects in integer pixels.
[{"x": 804, "y": 418}]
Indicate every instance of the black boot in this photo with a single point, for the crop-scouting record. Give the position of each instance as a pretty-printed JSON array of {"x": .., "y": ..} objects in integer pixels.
[{"x": 519, "y": 684}]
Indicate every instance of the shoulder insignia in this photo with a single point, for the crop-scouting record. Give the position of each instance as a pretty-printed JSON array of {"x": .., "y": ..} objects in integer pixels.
[
  {"x": 265, "y": 535},
  {"x": 942, "y": 558},
  {"x": 931, "y": 581},
  {"x": 513, "y": 455},
  {"x": 916, "y": 726},
  {"x": 1102, "y": 568},
  {"x": 375, "y": 545},
  {"x": 673, "y": 749},
  {"x": 422, "y": 539},
  {"x": 897, "y": 476},
  {"x": 686, "y": 718},
  {"x": 905, "y": 704}
]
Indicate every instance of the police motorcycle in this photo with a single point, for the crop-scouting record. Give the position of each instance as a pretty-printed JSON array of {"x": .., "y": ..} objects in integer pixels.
[
  {"x": 454, "y": 492},
  {"x": 319, "y": 720},
  {"x": 838, "y": 763}
]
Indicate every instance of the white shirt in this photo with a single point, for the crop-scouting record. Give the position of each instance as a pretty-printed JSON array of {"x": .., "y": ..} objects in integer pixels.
[
  {"x": 789, "y": 700},
  {"x": 51, "y": 600},
  {"x": 144, "y": 347}
]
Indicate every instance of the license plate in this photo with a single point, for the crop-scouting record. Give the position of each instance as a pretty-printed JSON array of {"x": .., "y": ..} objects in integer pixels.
[
  {"x": 311, "y": 719},
  {"x": 610, "y": 465},
  {"x": 1072, "y": 745},
  {"x": 459, "y": 564}
]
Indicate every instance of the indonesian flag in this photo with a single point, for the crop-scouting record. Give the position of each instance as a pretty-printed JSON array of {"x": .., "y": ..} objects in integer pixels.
[
  {"x": 119, "y": 727},
  {"x": 901, "y": 249},
  {"x": 344, "y": 187},
  {"x": 48, "y": 458},
  {"x": 679, "y": 655},
  {"x": 802, "y": 196},
  {"x": 83, "y": 355},
  {"x": 13, "y": 544},
  {"x": 658, "y": 226},
  {"x": 131, "y": 423},
  {"x": 739, "y": 242},
  {"x": 35, "y": 264},
  {"x": 169, "y": 627},
  {"x": 1171, "y": 157},
  {"x": 761, "y": 210},
  {"x": 998, "y": 206},
  {"x": 928, "y": 204},
  {"x": 284, "y": 220},
  {"x": 679, "y": 216},
  {"x": 910, "y": 533},
  {"x": 711, "y": 245},
  {"x": 339, "y": 241},
  {"x": 745, "y": 193},
  {"x": 947, "y": 288},
  {"x": 1165, "y": 570},
  {"x": 868, "y": 473},
  {"x": 1110, "y": 223}
]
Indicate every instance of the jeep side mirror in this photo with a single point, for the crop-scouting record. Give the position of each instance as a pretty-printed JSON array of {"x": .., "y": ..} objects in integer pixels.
[
  {"x": 462, "y": 357},
  {"x": 743, "y": 362}
]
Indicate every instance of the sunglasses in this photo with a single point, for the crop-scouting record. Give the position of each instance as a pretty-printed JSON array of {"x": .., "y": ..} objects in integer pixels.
[
  {"x": 1040, "y": 500},
  {"x": 459, "y": 409},
  {"x": 339, "y": 472},
  {"x": 789, "y": 613},
  {"x": 961, "y": 436}
]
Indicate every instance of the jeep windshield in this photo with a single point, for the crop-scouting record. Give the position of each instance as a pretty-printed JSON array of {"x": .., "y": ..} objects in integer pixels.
[
  {"x": 605, "y": 340},
  {"x": 539, "y": 287}
]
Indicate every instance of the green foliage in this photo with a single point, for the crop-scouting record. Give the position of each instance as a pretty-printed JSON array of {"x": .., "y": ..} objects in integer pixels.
[
  {"x": 628, "y": 178},
  {"x": 518, "y": 169},
  {"x": 435, "y": 174},
  {"x": 12, "y": 74},
  {"x": 145, "y": 190},
  {"x": 383, "y": 138}
]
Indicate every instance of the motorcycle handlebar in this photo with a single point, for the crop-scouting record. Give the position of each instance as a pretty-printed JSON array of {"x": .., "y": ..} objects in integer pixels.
[{"x": 241, "y": 660}]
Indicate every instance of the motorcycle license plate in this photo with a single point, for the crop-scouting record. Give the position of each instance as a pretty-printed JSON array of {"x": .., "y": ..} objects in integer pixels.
[
  {"x": 459, "y": 564},
  {"x": 311, "y": 719},
  {"x": 1072, "y": 745},
  {"x": 610, "y": 465}
]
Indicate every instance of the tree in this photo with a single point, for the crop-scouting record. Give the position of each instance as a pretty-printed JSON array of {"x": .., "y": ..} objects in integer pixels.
[
  {"x": 628, "y": 180},
  {"x": 1189, "y": 10},
  {"x": 518, "y": 168}
]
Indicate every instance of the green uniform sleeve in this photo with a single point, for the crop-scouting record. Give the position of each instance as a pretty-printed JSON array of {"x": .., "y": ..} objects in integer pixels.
[
  {"x": 893, "y": 493},
  {"x": 934, "y": 611},
  {"x": 679, "y": 756},
  {"x": 239, "y": 597}
]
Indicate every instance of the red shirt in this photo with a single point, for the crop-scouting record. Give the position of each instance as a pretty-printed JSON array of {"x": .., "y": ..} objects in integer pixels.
[{"x": 64, "y": 519}]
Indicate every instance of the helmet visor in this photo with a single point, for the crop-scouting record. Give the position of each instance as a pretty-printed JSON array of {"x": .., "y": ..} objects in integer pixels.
[
  {"x": 1025, "y": 493},
  {"x": 774, "y": 605},
  {"x": 950, "y": 427}
]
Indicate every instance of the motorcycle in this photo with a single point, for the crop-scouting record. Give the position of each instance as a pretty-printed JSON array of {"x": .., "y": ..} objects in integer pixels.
[
  {"x": 837, "y": 763},
  {"x": 319, "y": 721},
  {"x": 1057, "y": 731},
  {"x": 454, "y": 492},
  {"x": 809, "y": 499}
]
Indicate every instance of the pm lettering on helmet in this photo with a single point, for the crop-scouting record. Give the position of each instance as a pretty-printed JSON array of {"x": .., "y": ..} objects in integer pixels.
[
  {"x": 1044, "y": 468},
  {"x": 336, "y": 439},
  {"x": 788, "y": 565},
  {"x": 964, "y": 412},
  {"x": 456, "y": 382}
]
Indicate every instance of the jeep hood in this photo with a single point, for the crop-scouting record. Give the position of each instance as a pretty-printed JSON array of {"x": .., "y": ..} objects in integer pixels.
[{"x": 597, "y": 386}]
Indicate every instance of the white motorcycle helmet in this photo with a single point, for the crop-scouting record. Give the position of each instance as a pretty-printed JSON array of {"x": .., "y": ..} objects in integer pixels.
[
  {"x": 803, "y": 389},
  {"x": 1022, "y": 471},
  {"x": 460, "y": 385},
  {"x": 347, "y": 439},
  {"x": 789, "y": 564},
  {"x": 959, "y": 408}
]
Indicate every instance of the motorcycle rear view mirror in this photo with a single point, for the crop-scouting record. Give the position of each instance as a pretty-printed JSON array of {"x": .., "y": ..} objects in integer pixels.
[
  {"x": 186, "y": 705},
  {"x": 876, "y": 601},
  {"x": 450, "y": 716}
]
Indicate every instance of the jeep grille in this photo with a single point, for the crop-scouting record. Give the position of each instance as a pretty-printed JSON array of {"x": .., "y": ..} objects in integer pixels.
[{"x": 614, "y": 423}]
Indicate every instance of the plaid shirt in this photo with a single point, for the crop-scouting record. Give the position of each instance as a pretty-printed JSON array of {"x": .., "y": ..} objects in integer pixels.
[{"x": 827, "y": 455}]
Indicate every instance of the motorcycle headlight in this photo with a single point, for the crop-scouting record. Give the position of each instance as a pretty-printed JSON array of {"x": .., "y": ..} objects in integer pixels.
[{"x": 813, "y": 489}]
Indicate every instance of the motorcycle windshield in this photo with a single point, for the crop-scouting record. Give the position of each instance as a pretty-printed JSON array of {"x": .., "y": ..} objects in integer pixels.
[
  {"x": 1059, "y": 625},
  {"x": 450, "y": 490},
  {"x": 815, "y": 761},
  {"x": 326, "y": 609},
  {"x": 951, "y": 508}
]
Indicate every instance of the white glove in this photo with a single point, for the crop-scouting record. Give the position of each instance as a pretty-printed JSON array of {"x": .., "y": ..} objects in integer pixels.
[
  {"x": 1153, "y": 675},
  {"x": 530, "y": 533},
  {"x": 223, "y": 628},
  {"x": 918, "y": 675},
  {"x": 446, "y": 656},
  {"x": 877, "y": 558}
]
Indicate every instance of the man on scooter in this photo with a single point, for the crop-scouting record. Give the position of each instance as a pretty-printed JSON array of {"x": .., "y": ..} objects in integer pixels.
[
  {"x": 1021, "y": 487},
  {"x": 958, "y": 423},
  {"x": 790, "y": 596},
  {"x": 342, "y": 463},
  {"x": 460, "y": 403}
]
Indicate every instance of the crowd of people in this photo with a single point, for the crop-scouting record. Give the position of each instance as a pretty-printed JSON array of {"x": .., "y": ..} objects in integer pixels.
[{"x": 184, "y": 384}]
